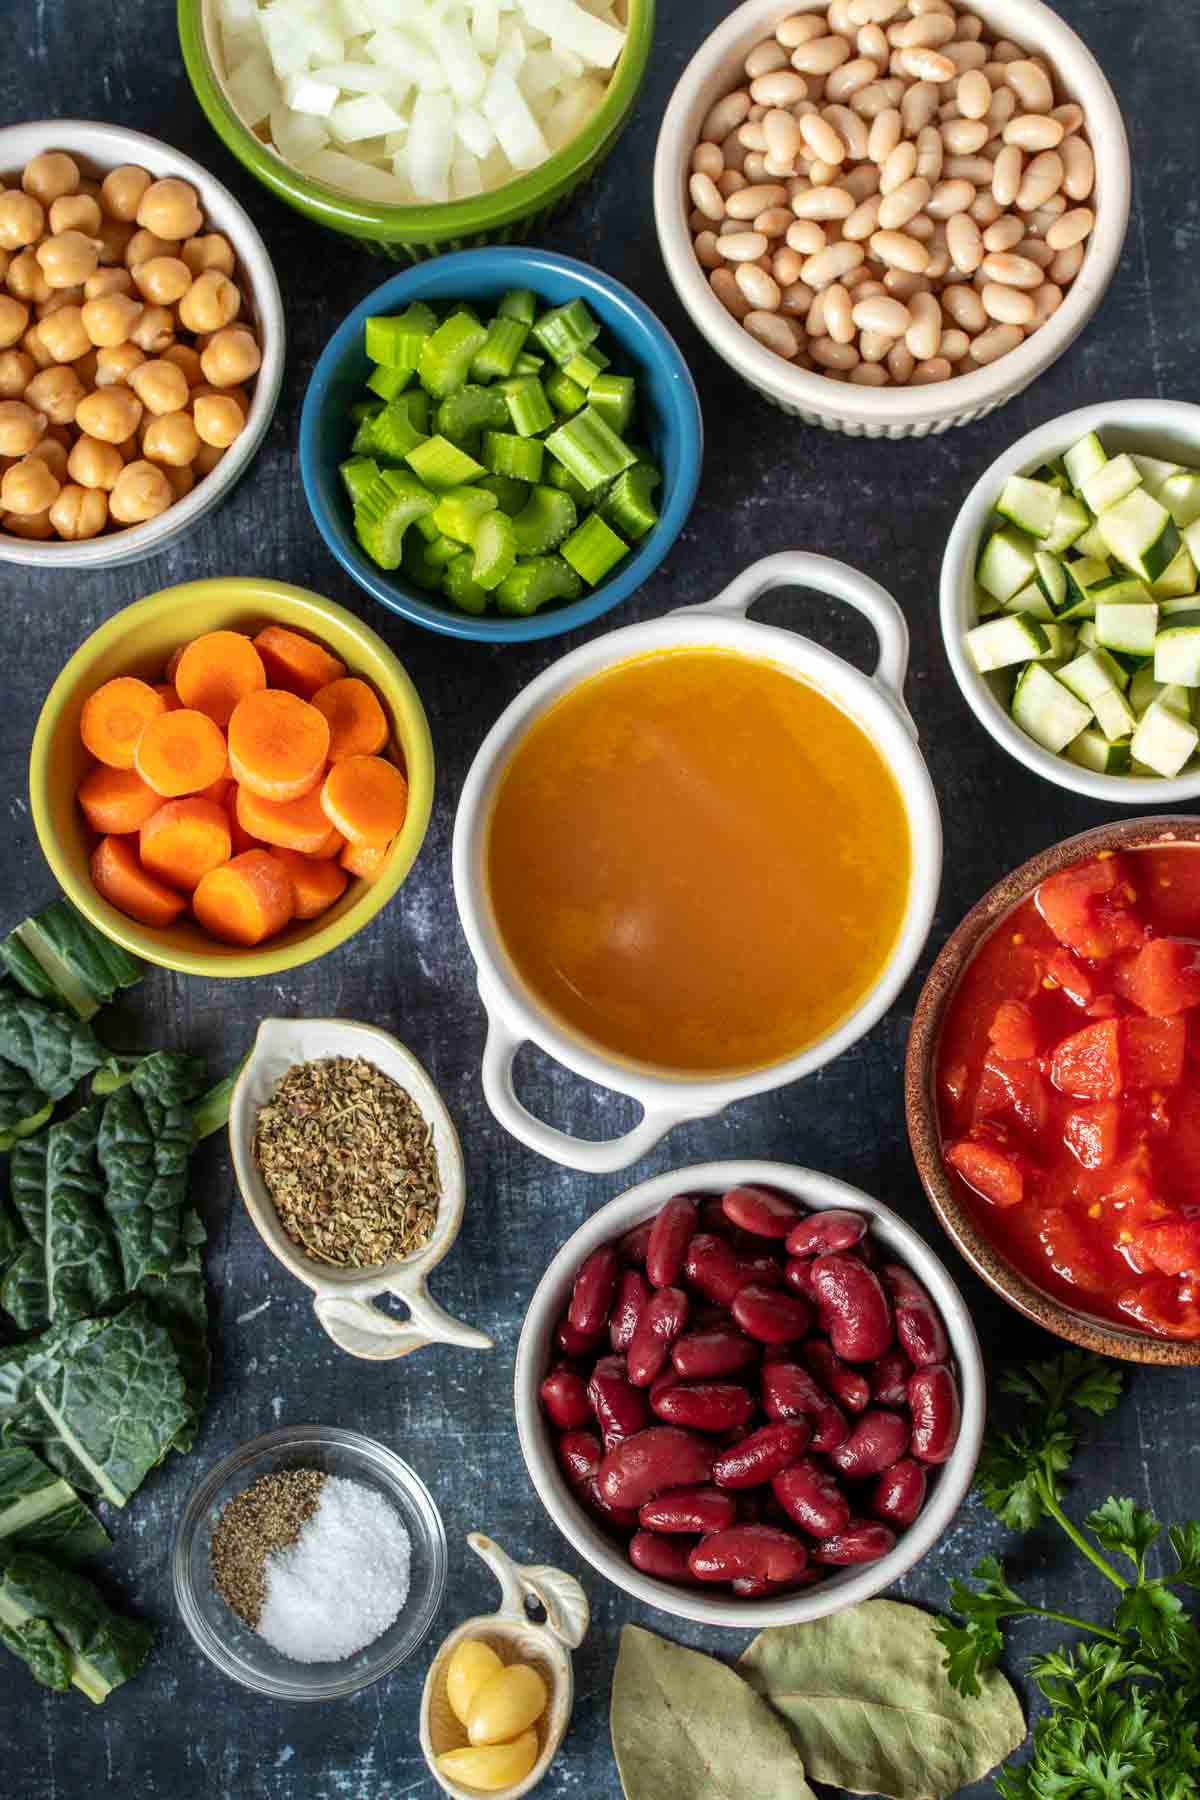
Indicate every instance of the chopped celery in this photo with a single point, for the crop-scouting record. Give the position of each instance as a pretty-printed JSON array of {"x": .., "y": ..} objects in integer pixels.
[
  {"x": 528, "y": 406},
  {"x": 534, "y": 582},
  {"x": 357, "y": 473},
  {"x": 614, "y": 397},
  {"x": 391, "y": 434},
  {"x": 628, "y": 506},
  {"x": 585, "y": 365},
  {"x": 519, "y": 303},
  {"x": 386, "y": 510},
  {"x": 565, "y": 330},
  {"x": 417, "y": 402},
  {"x": 510, "y": 493},
  {"x": 594, "y": 549},
  {"x": 442, "y": 464},
  {"x": 565, "y": 396},
  {"x": 442, "y": 551},
  {"x": 396, "y": 342},
  {"x": 495, "y": 550},
  {"x": 501, "y": 348},
  {"x": 461, "y": 586},
  {"x": 558, "y": 477},
  {"x": 364, "y": 409},
  {"x": 458, "y": 513},
  {"x": 470, "y": 409},
  {"x": 447, "y": 354},
  {"x": 387, "y": 383},
  {"x": 589, "y": 448},
  {"x": 544, "y": 521},
  {"x": 419, "y": 567},
  {"x": 529, "y": 364},
  {"x": 506, "y": 454}
]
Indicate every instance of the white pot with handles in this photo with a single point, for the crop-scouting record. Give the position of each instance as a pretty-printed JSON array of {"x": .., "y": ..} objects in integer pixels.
[{"x": 875, "y": 702}]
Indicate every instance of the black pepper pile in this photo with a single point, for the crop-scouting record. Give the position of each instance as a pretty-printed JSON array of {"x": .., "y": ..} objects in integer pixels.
[{"x": 266, "y": 1517}]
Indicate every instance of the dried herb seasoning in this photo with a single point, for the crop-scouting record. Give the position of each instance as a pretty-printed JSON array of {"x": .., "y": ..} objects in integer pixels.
[
  {"x": 350, "y": 1162},
  {"x": 263, "y": 1518}
]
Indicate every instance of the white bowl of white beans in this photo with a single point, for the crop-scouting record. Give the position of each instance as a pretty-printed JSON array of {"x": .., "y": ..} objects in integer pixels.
[
  {"x": 940, "y": 195},
  {"x": 204, "y": 293}
]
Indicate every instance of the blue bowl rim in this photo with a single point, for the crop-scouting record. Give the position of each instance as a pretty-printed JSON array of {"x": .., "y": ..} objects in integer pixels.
[{"x": 656, "y": 546}]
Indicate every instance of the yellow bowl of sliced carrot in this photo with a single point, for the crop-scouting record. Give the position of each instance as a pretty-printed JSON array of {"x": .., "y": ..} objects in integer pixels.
[{"x": 231, "y": 777}]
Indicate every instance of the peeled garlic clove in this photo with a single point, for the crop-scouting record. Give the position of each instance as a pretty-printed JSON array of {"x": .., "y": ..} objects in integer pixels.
[
  {"x": 472, "y": 1663},
  {"x": 506, "y": 1705},
  {"x": 491, "y": 1766}
]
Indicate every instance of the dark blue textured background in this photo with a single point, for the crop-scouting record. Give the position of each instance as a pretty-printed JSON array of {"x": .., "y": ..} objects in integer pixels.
[{"x": 181, "y": 1732}]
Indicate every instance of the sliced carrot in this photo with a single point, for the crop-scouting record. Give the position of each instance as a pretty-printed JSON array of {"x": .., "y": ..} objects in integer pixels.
[
  {"x": 119, "y": 878},
  {"x": 173, "y": 663},
  {"x": 217, "y": 670},
  {"x": 333, "y": 846},
  {"x": 114, "y": 718},
  {"x": 365, "y": 860},
  {"x": 295, "y": 663},
  {"x": 242, "y": 840},
  {"x": 116, "y": 800},
  {"x": 316, "y": 884},
  {"x": 357, "y": 726},
  {"x": 181, "y": 753},
  {"x": 290, "y": 824},
  {"x": 366, "y": 798},
  {"x": 184, "y": 839},
  {"x": 170, "y": 698},
  {"x": 278, "y": 744},
  {"x": 246, "y": 900},
  {"x": 220, "y": 790}
]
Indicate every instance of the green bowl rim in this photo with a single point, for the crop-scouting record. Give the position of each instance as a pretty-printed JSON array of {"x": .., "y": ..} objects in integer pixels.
[{"x": 501, "y": 206}]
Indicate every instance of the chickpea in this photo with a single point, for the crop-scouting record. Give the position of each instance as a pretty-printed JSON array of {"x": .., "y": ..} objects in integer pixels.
[
  {"x": 162, "y": 279},
  {"x": 25, "y": 279},
  {"x": 112, "y": 414},
  {"x": 22, "y": 220},
  {"x": 232, "y": 357},
  {"x": 75, "y": 212},
  {"x": 49, "y": 176},
  {"x": 85, "y": 367},
  {"x": 141, "y": 492},
  {"x": 154, "y": 331},
  {"x": 28, "y": 487},
  {"x": 5, "y": 260},
  {"x": 172, "y": 439},
  {"x": 109, "y": 320},
  {"x": 56, "y": 392},
  {"x": 211, "y": 302},
  {"x": 16, "y": 373},
  {"x": 63, "y": 334},
  {"x": 182, "y": 479},
  {"x": 121, "y": 191},
  {"x": 60, "y": 297},
  {"x": 93, "y": 463},
  {"x": 28, "y": 525},
  {"x": 21, "y": 425},
  {"x": 14, "y": 321},
  {"x": 143, "y": 245},
  {"x": 116, "y": 363},
  {"x": 68, "y": 258},
  {"x": 213, "y": 251},
  {"x": 54, "y": 455},
  {"x": 187, "y": 359},
  {"x": 231, "y": 393},
  {"x": 169, "y": 208},
  {"x": 131, "y": 449},
  {"x": 114, "y": 239},
  {"x": 79, "y": 512},
  {"x": 218, "y": 419},
  {"x": 160, "y": 386},
  {"x": 206, "y": 459},
  {"x": 33, "y": 346}
]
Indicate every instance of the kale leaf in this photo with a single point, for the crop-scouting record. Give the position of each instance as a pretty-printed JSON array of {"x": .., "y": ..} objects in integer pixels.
[
  {"x": 61, "y": 1625},
  {"x": 82, "y": 1272},
  {"x": 53, "y": 1050},
  {"x": 23, "y": 1106},
  {"x": 145, "y": 1143},
  {"x": 59, "y": 956},
  {"x": 41, "y": 1511}
]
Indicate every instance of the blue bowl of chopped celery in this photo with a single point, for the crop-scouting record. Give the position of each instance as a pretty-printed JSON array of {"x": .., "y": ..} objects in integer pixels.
[{"x": 510, "y": 470}]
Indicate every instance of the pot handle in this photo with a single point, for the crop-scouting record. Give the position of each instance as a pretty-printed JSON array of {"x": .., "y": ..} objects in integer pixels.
[
  {"x": 364, "y": 1330},
  {"x": 594, "y": 1158},
  {"x": 801, "y": 568}
]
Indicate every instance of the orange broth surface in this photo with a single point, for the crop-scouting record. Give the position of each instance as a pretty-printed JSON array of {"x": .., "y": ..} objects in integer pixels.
[{"x": 698, "y": 862}]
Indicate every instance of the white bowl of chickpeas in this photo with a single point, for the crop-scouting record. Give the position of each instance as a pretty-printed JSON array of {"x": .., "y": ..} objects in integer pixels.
[
  {"x": 141, "y": 344},
  {"x": 890, "y": 216}
]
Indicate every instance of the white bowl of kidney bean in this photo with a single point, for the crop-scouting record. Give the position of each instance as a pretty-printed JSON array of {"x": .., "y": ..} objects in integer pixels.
[
  {"x": 141, "y": 344},
  {"x": 890, "y": 216},
  {"x": 749, "y": 1394}
]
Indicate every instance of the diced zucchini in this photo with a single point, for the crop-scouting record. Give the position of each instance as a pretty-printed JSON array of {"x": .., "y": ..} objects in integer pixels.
[
  {"x": 1121, "y": 590},
  {"x": 1131, "y": 628},
  {"x": 1090, "y": 674},
  {"x": 1060, "y": 645},
  {"x": 1092, "y": 750},
  {"x": 1155, "y": 473},
  {"x": 1110, "y": 483},
  {"x": 1184, "y": 611},
  {"x": 1144, "y": 691},
  {"x": 1006, "y": 565},
  {"x": 1114, "y": 715},
  {"x": 1047, "y": 711},
  {"x": 1054, "y": 475},
  {"x": 1090, "y": 543},
  {"x": 1070, "y": 522},
  {"x": 1001, "y": 642},
  {"x": 1177, "y": 655},
  {"x": 1164, "y": 740},
  {"x": 1177, "y": 579},
  {"x": 1030, "y": 505},
  {"x": 1083, "y": 459},
  {"x": 1181, "y": 497},
  {"x": 1141, "y": 534},
  {"x": 1030, "y": 600},
  {"x": 1052, "y": 580},
  {"x": 1191, "y": 541}
]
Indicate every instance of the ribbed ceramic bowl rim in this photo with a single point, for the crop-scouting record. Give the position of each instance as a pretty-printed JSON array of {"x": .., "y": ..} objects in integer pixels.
[
  {"x": 841, "y": 1590},
  {"x": 428, "y": 223},
  {"x": 1027, "y": 22},
  {"x": 1075, "y": 1324},
  {"x": 393, "y": 1473},
  {"x": 113, "y": 144},
  {"x": 1152, "y": 421},
  {"x": 630, "y": 575}
]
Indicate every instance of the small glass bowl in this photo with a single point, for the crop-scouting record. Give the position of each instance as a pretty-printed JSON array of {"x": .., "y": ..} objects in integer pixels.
[{"x": 240, "y": 1652}]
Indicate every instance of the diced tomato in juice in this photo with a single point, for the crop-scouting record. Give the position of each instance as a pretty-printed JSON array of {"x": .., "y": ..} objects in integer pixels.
[
  {"x": 1012, "y": 1032},
  {"x": 1071, "y": 1251},
  {"x": 1163, "y": 978},
  {"x": 1153, "y": 1051},
  {"x": 1093, "y": 1134},
  {"x": 1014, "y": 1091},
  {"x": 990, "y": 1170},
  {"x": 1089, "y": 908},
  {"x": 1173, "y": 1245},
  {"x": 1167, "y": 1307},
  {"x": 1104, "y": 1006},
  {"x": 1087, "y": 1064},
  {"x": 1071, "y": 976}
]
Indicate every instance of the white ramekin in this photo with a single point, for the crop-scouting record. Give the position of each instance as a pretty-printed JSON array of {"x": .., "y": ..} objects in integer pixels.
[
  {"x": 535, "y": 1353},
  {"x": 1167, "y": 428},
  {"x": 98, "y": 148},
  {"x": 890, "y": 412},
  {"x": 875, "y": 702}
]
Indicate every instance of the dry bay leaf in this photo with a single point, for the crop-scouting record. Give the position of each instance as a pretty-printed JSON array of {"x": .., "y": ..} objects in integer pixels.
[
  {"x": 685, "y": 1727},
  {"x": 870, "y": 1707}
]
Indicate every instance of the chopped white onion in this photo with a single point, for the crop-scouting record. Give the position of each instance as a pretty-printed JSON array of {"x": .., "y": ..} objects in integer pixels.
[
  {"x": 304, "y": 93},
  {"x": 366, "y": 116},
  {"x": 430, "y": 143},
  {"x": 475, "y": 133}
]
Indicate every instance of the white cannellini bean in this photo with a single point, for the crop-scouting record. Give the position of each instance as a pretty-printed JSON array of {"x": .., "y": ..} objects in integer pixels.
[
  {"x": 821, "y": 56},
  {"x": 814, "y": 322},
  {"x": 1005, "y": 233},
  {"x": 871, "y": 42},
  {"x": 728, "y": 293},
  {"x": 964, "y": 56},
  {"x": 889, "y": 317},
  {"x": 955, "y": 344},
  {"x": 775, "y": 168},
  {"x": 984, "y": 209},
  {"x": 1006, "y": 176},
  {"x": 781, "y": 135},
  {"x": 996, "y": 342},
  {"x": 868, "y": 375},
  {"x": 861, "y": 183},
  {"x": 1007, "y": 305},
  {"x": 873, "y": 346},
  {"x": 875, "y": 12},
  {"x": 755, "y": 166},
  {"x": 1070, "y": 117},
  {"x": 733, "y": 151},
  {"x": 928, "y": 31},
  {"x": 1031, "y": 84},
  {"x": 708, "y": 255},
  {"x": 1032, "y": 132},
  {"x": 926, "y": 373},
  {"x": 775, "y": 332},
  {"x": 975, "y": 169},
  {"x": 851, "y": 129},
  {"x": 899, "y": 251},
  {"x": 773, "y": 223},
  {"x": 863, "y": 220},
  {"x": 884, "y": 134},
  {"x": 1066, "y": 265},
  {"x": 918, "y": 106},
  {"x": 963, "y": 137},
  {"x": 760, "y": 289},
  {"x": 751, "y": 135},
  {"x": 797, "y": 299},
  {"x": 1046, "y": 302},
  {"x": 765, "y": 58},
  {"x": 1036, "y": 251},
  {"x": 901, "y": 284},
  {"x": 823, "y": 174},
  {"x": 1002, "y": 109},
  {"x": 847, "y": 81},
  {"x": 799, "y": 28},
  {"x": 829, "y": 355},
  {"x": 1070, "y": 229},
  {"x": 901, "y": 362},
  {"x": 899, "y": 167},
  {"x": 730, "y": 181},
  {"x": 748, "y": 202},
  {"x": 706, "y": 196},
  {"x": 970, "y": 29},
  {"x": 1041, "y": 181},
  {"x": 964, "y": 243},
  {"x": 806, "y": 237},
  {"x": 974, "y": 94},
  {"x": 1079, "y": 168},
  {"x": 823, "y": 203},
  {"x": 1011, "y": 271},
  {"x": 950, "y": 197},
  {"x": 707, "y": 160},
  {"x": 839, "y": 320},
  {"x": 786, "y": 266},
  {"x": 822, "y": 139},
  {"x": 902, "y": 204},
  {"x": 726, "y": 116},
  {"x": 921, "y": 228},
  {"x": 743, "y": 246},
  {"x": 831, "y": 264},
  {"x": 927, "y": 65},
  {"x": 782, "y": 87},
  {"x": 931, "y": 154},
  {"x": 1005, "y": 51},
  {"x": 923, "y": 335},
  {"x": 881, "y": 96},
  {"x": 840, "y": 20},
  {"x": 963, "y": 305}
]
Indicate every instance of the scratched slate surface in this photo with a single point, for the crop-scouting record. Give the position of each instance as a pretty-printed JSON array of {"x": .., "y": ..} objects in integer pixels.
[{"x": 181, "y": 1729}]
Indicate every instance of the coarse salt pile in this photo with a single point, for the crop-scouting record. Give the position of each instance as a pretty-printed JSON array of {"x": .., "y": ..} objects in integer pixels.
[
  {"x": 343, "y": 1581},
  {"x": 405, "y": 101}
]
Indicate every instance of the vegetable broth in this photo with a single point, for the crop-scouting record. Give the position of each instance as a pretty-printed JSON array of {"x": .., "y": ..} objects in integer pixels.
[{"x": 697, "y": 861}]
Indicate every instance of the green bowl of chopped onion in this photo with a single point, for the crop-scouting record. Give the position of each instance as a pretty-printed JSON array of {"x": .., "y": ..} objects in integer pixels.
[{"x": 418, "y": 140}]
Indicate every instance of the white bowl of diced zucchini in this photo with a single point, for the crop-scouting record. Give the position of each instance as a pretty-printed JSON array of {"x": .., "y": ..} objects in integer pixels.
[{"x": 1071, "y": 601}]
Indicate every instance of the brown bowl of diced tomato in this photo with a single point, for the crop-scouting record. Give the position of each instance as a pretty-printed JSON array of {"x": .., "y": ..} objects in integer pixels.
[{"x": 1053, "y": 1089}]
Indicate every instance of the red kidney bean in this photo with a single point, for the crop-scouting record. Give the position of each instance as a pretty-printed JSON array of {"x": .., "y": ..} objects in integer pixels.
[
  {"x": 752, "y": 1587},
  {"x": 705, "y": 1405},
  {"x": 797, "y": 1272},
  {"x": 619, "y": 1407},
  {"x": 718, "y": 1350},
  {"x": 669, "y": 1378},
  {"x": 936, "y": 1413},
  {"x": 576, "y": 1343},
  {"x": 854, "y": 1310},
  {"x": 695, "y": 1510},
  {"x": 634, "y": 1244},
  {"x": 761, "y": 1210},
  {"x": 580, "y": 1453},
  {"x": 763, "y": 1552},
  {"x": 789, "y": 1392},
  {"x": 861, "y": 1541},
  {"x": 889, "y": 1380},
  {"x": 712, "y": 1218},
  {"x": 769, "y": 1315},
  {"x": 656, "y": 1459},
  {"x": 673, "y": 1230},
  {"x": 594, "y": 1290},
  {"x": 918, "y": 1323},
  {"x": 899, "y": 1494},
  {"x": 878, "y": 1440},
  {"x": 661, "y": 1557},
  {"x": 762, "y": 1268},
  {"x": 633, "y": 1291},
  {"x": 621, "y": 1518},
  {"x": 564, "y": 1396},
  {"x": 846, "y": 1385},
  {"x": 834, "y": 1229},
  {"x": 663, "y": 1318},
  {"x": 810, "y": 1496},
  {"x": 761, "y": 1455},
  {"x": 713, "y": 1268}
]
